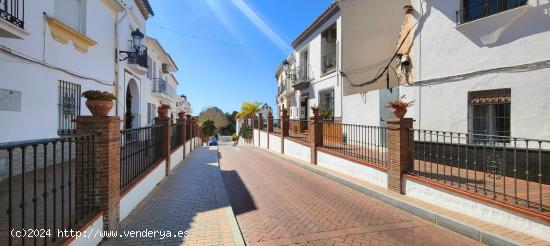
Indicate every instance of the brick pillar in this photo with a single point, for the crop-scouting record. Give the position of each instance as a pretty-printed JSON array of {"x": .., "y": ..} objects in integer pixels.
[
  {"x": 165, "y": 121},
  {"x": 183, "y": 124},
  {"x": 400, "y": 140},
  {"x": 107, "y": 156},
  {"x": 284, "y": 129},
  {"x": 315, "y": 135}
]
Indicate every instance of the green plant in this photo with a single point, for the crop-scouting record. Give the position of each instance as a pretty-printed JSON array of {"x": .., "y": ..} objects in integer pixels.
[
  {"x": 96, "y": 95},
  {"x": 234, "y": 136},
  {"x": 249, "y": 109},
  {"x": 208, "y": 128},
  {"x": 326, "y": 113},
  {"x": 246, "y": 132}
]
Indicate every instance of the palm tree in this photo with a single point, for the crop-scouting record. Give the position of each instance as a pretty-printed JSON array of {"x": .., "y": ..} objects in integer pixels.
[{"x": 249, "y": 110}]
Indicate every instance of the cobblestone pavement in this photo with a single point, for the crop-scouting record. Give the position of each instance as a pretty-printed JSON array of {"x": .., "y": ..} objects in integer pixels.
[
  {"x": 278, "y": 203},
  {"x": 190, "y": 199}
]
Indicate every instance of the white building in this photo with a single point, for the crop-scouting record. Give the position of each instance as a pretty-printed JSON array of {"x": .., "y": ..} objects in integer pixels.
[
  {"x": 58, "y": 49},
  {"x": 480, "y": 71},
  {"x": 55, "y": 51},
  {"x": 341, "y": 48}
]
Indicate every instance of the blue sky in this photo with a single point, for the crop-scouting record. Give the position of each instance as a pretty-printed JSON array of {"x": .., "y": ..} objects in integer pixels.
[{"x": 240, "y": 44}]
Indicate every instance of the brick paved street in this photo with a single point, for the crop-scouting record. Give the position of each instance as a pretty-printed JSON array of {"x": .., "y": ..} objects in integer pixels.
[
  {"x": 278, "y": 203},
  {"x": 191, "y": 199}
]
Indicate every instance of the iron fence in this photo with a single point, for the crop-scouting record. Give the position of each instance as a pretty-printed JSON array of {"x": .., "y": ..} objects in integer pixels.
[
  {"x": 277, "y": 126},
  {"x": 507, "y": 169},
  {"x": 299, "y": 130},
  {"x": 264, "y": 124},
  {"x": 176, "y": 132},
  {"x": 485, "y": 8},
  {"x": 141, "y": 148},
  {"x": 47, "y": 184},
  {"x": 367, "y": 143}
]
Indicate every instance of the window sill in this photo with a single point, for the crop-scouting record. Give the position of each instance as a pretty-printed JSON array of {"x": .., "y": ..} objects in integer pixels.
[
  {"x": 9, "y": 30},
  {"x": 329, "y": 72},
  {"x": 64, "y": 33}
]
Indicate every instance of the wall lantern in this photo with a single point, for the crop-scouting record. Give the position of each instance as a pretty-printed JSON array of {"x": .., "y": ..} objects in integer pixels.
[{"x": 137, "y": 40}]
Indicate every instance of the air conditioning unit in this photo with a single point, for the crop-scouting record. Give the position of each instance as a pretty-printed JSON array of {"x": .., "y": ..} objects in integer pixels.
[{"x": 165, "y": 68}]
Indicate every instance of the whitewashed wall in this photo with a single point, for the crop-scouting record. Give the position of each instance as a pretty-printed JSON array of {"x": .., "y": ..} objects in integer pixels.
[
  {"x": 263, "y": 139},
  {"x": 475, "y": 209},
  {"x": 275, "y": 143},
  {"x": 138, "y": 192},
  {"x": 353, "y": 169},
  {"x": 443, "y": 49},
  {"x": 94, "y": 227},
  {"x": 38, "y": 117},
  {"x": 176, "y": 157},
  {"x": 298, "y": 151}
]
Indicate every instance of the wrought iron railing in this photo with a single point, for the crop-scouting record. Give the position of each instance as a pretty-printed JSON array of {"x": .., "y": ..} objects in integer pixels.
[
  {"x": 277, "y": 126},
  {"x": 299, "y": 130},
  {"x": 175, "y": 141},
  {"x": 160, "y": 85},
  {"x": 264, "y": 124},
  {"x": 366, "y": 143},
  {"x": 301, "y": 75},
  {"x": 486, "y": 8},
  {"x": 140, "y": 149},
  {"x": 139, "y": 58},
  {"x": 13, "y": 11},
  {"x": 48, "y": 185},
  {"x": 515, "y": 171},
  {"x": 329, "y": 62}
]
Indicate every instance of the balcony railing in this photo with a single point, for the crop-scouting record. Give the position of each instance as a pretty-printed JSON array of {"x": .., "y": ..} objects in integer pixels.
[
  {"x": 329, "y": 62},
  {"x": 138, "y": 58},
  {"x": 486, "y": 8},
  {"x": 161, "y": 86},
  {"x": 13, "y": 11},
  {"x": 301, "y": 76}
]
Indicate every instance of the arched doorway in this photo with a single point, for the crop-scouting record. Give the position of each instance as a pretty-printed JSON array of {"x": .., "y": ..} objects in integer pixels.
[{"x": 131, "y": 117}]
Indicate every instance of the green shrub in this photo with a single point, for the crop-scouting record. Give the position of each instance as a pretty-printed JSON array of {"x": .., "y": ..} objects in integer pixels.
[
  {"x": 234, "y": 136},
  {"x": 247, "y": 132}
]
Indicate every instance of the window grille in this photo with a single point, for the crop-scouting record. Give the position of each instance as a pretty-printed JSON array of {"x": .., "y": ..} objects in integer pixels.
[{"x": 68, "y": 107}]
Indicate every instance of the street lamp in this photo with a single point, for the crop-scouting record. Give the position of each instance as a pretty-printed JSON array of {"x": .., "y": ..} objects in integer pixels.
[{"x": 137, "y": 40}]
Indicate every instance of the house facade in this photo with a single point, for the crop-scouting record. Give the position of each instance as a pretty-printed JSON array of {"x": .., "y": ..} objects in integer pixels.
[
  {"x": 479, "y": 67},
  {"x": 339, "y": 49},
  {"x": 52, "y": 51}
]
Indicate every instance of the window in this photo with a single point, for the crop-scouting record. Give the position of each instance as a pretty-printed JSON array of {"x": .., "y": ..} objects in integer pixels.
[
  {"x": 476, "y": 9},
  {"x": 68, "y": 107},
  {"x": 326, "y": 104},
  {"x": 328, "y": 49},
  {"x": 72, "y": 13},
  {"x": 490, "y": 115}
]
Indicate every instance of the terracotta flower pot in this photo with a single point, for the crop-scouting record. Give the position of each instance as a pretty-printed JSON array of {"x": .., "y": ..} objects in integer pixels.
[
  {"x": 399, "y": 113},
  {"x": 163, "y": 112},
  {"x": 181, "y": 115},
  {"x": 99, "y": 108}
]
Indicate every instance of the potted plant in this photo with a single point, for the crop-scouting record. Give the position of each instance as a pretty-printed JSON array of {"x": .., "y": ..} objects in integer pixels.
[
  {"x": 399, "y": 107},
  {"x": 326, "y": 113},
  {"x": 163, "y": 110},
  {"x": 181, "y": 115},
  {"x": 99, "y": 103}
]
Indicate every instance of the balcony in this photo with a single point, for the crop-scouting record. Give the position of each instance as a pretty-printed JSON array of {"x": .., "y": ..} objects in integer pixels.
[
  {"x": 301, "y": 76},
  {"x": 285, "y": 89},
  {"x": 329, "y": 62},
  {"x": 12, "y": 22},
  {"x": 137, "y": 61},
  {"x": 162, "y": 89},
  {"x": 485, "y": 8}
]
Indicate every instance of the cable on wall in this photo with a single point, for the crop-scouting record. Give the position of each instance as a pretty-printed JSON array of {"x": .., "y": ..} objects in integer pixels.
[{"x": 51, "y": 66}]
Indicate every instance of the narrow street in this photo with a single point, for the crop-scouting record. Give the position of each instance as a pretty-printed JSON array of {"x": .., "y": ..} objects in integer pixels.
[{"x": 278, "y": 203}]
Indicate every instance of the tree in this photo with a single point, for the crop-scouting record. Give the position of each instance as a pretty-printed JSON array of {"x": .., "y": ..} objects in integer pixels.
[
  {"x": 208, "y": 128},
  {"x": 230, "y": 128},
  {"x": 249, "y": 109},
  {"x": 216, "y": 115}
]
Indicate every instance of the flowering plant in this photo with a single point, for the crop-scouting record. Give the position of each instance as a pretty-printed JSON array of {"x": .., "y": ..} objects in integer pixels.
[
  {"x": 400, "y": 104},
  {"x": 165, "y": 106}
]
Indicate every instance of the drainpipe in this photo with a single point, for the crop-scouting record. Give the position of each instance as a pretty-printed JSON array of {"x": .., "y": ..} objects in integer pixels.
[{"x": 117, "y": 22}]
